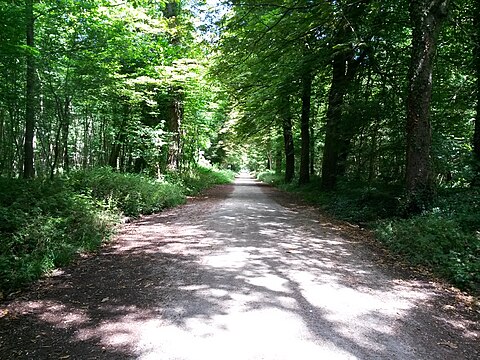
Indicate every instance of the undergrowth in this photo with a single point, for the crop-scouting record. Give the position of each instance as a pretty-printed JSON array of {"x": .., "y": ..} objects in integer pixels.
[
  {"x": 445, "y": 239},
  {"x": 44, "y": 224},
  {"x": 201, "y": 178},
  {"x": 131, "y": 194}
]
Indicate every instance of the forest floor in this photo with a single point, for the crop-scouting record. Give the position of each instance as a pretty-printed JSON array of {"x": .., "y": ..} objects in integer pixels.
[{"x": 242, "y": 272}]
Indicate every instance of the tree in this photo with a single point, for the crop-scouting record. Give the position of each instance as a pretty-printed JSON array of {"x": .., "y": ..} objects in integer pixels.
[
  {"x": 86, "y": 83},
  {"x": 427, "y": 18},
  {"x": 28, "y": 168},
  {"x": 289, "y": 147},
  {"x": 306, "y": 79},
  {"x": 476, "y": 58},
  {"x": 347, "y": 57}
]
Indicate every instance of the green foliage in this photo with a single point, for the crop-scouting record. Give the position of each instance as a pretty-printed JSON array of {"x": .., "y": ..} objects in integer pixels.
[
  {"x": 42, "y": 226},
  {"x": 132, "y": 194},
  {"x": 446, "y": 239},
  {"x": 355, "y": 202},
  {"x": 270, "y": 177},
  {"x": 200, "y": 178}
]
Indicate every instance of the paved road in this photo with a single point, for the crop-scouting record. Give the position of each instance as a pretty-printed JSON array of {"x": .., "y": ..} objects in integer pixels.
[{"x": 243, "y": 278}]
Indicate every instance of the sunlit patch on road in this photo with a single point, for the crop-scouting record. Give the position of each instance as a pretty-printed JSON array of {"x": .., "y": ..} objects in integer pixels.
[{"x": 250, "y": 280}]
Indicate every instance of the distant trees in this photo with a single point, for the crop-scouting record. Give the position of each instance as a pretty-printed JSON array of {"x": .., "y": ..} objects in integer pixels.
[
  {"x": 386, "y": 109},
  {"x": 346, "y": 90},
  {"x": 269, "y": 71}
]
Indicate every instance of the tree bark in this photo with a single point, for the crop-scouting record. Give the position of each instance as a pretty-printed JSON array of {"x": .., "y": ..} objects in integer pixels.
[
  {"x": 65, "y": 134},
  {"x": 426, "y": 17},
  {"x": 345, "y": 64},
  {"x": 334, "y": 116},
  {"x": 337, "y": 134},
  {"x": 476, "y": 57},
  {"x": 175, "y": 110},
  {"x": 175, "y": 114},
  {"x": 304, "y": 176},
  {"x": 28, "y": 156},
  {"x": 288, "y": 141}
]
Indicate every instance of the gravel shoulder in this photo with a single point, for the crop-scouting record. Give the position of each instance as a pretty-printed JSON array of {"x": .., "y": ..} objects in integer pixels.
[{"x": 242, "y": 272}]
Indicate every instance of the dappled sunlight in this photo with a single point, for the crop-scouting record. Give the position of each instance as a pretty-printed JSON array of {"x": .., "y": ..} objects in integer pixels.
[
  {"x": 243, "y": 282},
  {"x": 56, "y": 313}
]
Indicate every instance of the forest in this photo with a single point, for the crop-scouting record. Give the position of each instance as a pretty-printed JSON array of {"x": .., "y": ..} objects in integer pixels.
[{"x": 369, "y": 109}]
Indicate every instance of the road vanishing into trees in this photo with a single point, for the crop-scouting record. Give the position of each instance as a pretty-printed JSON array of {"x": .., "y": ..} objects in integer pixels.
[{"x": 245, "y": 272}]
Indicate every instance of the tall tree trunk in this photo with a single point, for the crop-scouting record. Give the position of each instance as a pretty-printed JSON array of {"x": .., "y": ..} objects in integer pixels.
[
  {"x": 278, "y": 160},
  {"x": 65, "y": 133},
  {"x": 28, "y": 168},
  {"x": 426, "y": 17},
  {"x": 173, "y": 124},
  {"x": 334, "y": 116},
  {"x": 119, "y": 138},
  {"x": 288, "y": 140},
  {"x": 337, "y": 134},
  {"x": 345, "y": 64},
  {"x": 476, "y": 57},
  {"x": 312, "y": 150},
  {"x": 304, "y": 176},
  {"x": 175, "y": 110}
]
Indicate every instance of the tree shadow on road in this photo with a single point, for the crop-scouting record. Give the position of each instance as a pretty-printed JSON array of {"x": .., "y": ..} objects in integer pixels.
[{"x": 229, "y": 283}]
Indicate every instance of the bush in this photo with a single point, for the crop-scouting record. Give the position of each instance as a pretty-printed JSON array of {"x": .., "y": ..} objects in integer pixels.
[
  {"x": 351, "y": 201},
  {"x": 131, "y": 194},
  {"x": 44, "y": 224},
  {"x": 439, "y": 242},
  {"x": 270, "y": 177},
  {"x": 200, "y": 178}
]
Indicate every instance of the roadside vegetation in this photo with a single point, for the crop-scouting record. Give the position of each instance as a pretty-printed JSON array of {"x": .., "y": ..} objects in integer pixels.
[
  {"x": 345, "y": 98},
  {"x": 444, "y": 238},
  {"x": 44, "y": 224}
]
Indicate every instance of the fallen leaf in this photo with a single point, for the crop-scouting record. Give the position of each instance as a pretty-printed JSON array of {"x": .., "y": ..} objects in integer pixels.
[{"x": 105, "y": 299}]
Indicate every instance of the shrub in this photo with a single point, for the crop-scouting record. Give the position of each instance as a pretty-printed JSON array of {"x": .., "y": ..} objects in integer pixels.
[
  {"x": 200, "y": 178},
  {"x": 270, "y": 177},
  {"x": 437, "y": 241},
  {"x": 132, "y": 194},
  {"x": 446, "y": 239},
  {"x": 42, "y": 226}
]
